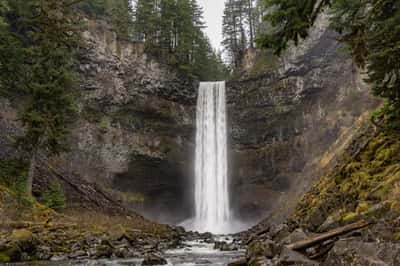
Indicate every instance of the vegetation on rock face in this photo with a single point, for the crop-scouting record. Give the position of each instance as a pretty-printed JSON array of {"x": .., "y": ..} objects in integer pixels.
[
  {"x": 369, "y": 28},
  {"x": 367, "y": 186}
]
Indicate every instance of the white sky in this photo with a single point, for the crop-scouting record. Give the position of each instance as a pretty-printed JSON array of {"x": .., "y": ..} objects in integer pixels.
[{"x": 213, "y": 11}]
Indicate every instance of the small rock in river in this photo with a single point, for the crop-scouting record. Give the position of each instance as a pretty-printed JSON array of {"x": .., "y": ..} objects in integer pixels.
[{"x": 153, "y": 259}]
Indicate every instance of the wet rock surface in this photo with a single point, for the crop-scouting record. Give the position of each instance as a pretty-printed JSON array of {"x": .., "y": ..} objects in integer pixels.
[
  {"x": 357, "y": 252},
  {"x": 68, "y": 242},
  {"x": 154, "y": 259},
  {"x": 133, "y": 136},
  {"x": 371, "y": 245},
  {"x": 285, "y": 123}
]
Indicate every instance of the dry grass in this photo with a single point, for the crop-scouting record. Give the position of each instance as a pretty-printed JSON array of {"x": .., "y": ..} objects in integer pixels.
[{"x": 104, "y": 223}]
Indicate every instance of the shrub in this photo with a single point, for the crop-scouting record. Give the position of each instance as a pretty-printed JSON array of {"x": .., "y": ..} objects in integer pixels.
[{"x": 54, "y": 197}]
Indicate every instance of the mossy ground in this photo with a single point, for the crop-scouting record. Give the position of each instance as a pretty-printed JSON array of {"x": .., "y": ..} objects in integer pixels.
[
  {"x": 366, "y": 187},
  {"x": 61, "y": 231}
]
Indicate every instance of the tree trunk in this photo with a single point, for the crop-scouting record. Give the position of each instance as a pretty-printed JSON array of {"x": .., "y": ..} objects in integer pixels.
[
  {"x": 251, "y": 29},
  {"x": 303, "y": 244},
  {"x": 31, "y": 174}
]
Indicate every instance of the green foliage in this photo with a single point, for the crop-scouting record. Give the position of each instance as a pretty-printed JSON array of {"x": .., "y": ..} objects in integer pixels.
[
  {"x": 172, "y": 31},
  {"x": 12, "y": 52},
  {"x": 351, "y": 190},
  {"x": 13, "y": 174},
  {"x": 54, "y": 197},
  {"x": 119, "y": 13},
  {"x": 238, "y": 28},
  {"x": 291, "y": 20},
  {"x": 37, "y": 52},
  {"x": 93, "y": 8},
  {"x": 370, "y": 28},
  {"x": 207, "y": 64},
  {"x": 44, "y": 37},
  {"x": 388, "y": 116}
]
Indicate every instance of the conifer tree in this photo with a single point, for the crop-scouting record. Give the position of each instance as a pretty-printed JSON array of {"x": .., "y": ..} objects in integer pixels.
[
  {"x": 47, "y": 36},
  {"x": 238, "y": 29}
]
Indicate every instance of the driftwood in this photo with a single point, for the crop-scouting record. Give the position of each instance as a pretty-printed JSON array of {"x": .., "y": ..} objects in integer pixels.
[{"x": 304, "y": 244}]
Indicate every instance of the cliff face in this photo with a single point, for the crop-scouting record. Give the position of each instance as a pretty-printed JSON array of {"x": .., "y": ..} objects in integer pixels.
[
  {"x": 289, "y": 117},
  {"x": 135, "y": 129},
  {"x": 137, "y": 135}
]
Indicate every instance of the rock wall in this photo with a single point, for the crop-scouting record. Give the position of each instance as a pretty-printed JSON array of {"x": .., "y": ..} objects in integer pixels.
[
  {"x": 134, "y": 135},
  {"x": 289, "y": 117}
]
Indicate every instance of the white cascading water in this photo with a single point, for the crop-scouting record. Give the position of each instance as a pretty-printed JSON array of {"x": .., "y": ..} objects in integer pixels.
[{"x": 212, "y": 210}]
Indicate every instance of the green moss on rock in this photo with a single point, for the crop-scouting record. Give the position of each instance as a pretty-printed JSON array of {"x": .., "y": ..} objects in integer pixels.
[{"x": 367, "y": 185}]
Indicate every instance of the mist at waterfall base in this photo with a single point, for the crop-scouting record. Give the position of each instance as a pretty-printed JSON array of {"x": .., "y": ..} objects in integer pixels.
[{"x": 211, "y": 186}]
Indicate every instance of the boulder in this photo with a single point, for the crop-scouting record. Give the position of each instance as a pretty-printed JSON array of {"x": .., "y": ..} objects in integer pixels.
[
  {"x": 266, "y": 248},
  {"x": 103, "y": 251},
  {"x": 153, "y": 259},
  {"x": 10, "y": 253},
  {"x": 279, "y": 232},
  {"x": 290, "y": 257},
  {"x": 224, "y": 246},
  {"x": 295, "y": 236},
  {"x": 330, "y": 223},
  {"x": 357, "y": 252},
  {"x": 24, "y": 239},
  {"x": 260, "y": 261}
]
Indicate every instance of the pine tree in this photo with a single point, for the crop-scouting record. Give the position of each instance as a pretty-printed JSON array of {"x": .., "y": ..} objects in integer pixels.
[
  {"x": 147, "y": 23},
  {"x": 239, "y": 26},
  {"x": 11, "y": 52},
  {"x": 47, "y": 36},
  {"x": 121, "y": 15},
  {"x": 93, "y": 8},
  {"x": 172, "y": 31}
]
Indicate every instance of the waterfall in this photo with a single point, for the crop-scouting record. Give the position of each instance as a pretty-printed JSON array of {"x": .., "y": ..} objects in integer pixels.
[{"x": 212, "y": 210}]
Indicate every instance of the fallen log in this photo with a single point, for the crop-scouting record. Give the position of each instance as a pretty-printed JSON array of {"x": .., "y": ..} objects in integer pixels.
[{"x": 304, "y": 244}]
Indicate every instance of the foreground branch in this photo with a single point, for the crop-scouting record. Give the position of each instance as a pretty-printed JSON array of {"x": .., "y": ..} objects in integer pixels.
[{"x": 303, "y": 244}]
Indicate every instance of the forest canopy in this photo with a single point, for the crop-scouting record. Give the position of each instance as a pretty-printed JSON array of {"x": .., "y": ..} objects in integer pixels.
[{"x": 171, "y": 30}]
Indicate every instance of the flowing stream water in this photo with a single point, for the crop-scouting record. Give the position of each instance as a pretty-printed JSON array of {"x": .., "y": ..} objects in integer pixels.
[{"x": 194, "y": 253}]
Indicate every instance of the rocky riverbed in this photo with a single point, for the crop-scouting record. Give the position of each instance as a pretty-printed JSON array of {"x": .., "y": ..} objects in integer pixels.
[{"x": 131, "y": 248}]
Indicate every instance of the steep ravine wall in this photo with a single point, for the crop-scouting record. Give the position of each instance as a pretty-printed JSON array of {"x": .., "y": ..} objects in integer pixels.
[
  {"x": 289, "y": 120},
  {"x": 135, "y": 129},
  {"x": 139, "y": 126}
]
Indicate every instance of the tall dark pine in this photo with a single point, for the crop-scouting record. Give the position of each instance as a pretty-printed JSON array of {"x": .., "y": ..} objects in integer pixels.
[{"x": 49, "y": 87}]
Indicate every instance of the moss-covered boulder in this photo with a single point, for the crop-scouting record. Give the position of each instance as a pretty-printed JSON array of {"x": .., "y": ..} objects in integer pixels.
[
  {"x": 10, "y": 253},
  {"x": 259, "y": 248},
  {"x": 24, "y": 239}
]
